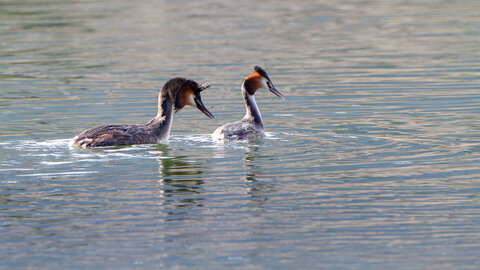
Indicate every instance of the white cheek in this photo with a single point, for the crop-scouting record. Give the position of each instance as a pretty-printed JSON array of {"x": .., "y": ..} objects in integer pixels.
[
  {"x": 264, "y": 84},
  {"x": 191, "y": 101}
]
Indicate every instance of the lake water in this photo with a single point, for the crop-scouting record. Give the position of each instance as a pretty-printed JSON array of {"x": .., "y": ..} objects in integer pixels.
[{"x": 371, "y": 162}]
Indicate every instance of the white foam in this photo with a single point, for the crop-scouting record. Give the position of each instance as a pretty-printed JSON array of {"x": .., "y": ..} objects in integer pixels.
[
  {"x": 402, "y": 162},
  {"x": 54, "y": 163},
  {"x": 284, "y": 115},
  {"x": 37, "y": 145},
  {"x": 58, "y": 173},
  {"x": 15, "y": 169},
  {"x": 343, "y": 136},
  {"x": 204, "y": 138}
]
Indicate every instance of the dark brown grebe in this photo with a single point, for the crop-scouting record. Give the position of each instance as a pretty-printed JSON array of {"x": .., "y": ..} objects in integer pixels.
[
  {"x": 175, "y": 94},
  {"x": 251, "y": 126}
]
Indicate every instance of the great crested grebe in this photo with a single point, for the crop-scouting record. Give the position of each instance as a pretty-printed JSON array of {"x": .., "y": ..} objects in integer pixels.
[
  {"x": 175, "y": 94},
  {"x": 251, "y": 126}
]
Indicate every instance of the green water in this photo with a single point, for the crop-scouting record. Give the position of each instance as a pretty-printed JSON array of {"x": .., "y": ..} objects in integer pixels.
[{"x": 371, "y": 162}]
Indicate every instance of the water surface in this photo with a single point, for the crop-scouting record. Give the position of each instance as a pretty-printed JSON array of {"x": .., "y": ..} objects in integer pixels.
[{"x": 371, "y": 162}]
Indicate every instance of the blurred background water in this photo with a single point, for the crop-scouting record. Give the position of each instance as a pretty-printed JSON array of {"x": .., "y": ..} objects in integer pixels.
[{"x": 371, "y": 162}]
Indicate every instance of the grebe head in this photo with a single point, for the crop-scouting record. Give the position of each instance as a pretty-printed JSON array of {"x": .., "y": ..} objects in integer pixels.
[
  {"x": 184, "y": 92},
  {"x": 259, "y": 79}
]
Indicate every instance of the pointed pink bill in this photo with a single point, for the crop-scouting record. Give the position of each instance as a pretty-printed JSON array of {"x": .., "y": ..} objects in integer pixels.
[
  {"x": 275, "y": 91},
  {"x": 201, "y": 107}
]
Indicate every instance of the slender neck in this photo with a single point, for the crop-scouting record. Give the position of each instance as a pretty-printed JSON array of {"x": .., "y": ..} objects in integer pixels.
[
  {"x": 252, "y": 114},
  {"x": 162, "y": 123}
]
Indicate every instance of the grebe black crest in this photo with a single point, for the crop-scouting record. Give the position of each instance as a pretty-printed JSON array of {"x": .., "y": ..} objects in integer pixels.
[
  {"x": 175, "y": 94},
  {"x": 251, "y": 126}
]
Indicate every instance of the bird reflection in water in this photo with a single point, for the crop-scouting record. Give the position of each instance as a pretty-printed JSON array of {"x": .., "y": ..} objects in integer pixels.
[
  {"x": 181, "y": 188},
  {"x": 257, "y": 189}
]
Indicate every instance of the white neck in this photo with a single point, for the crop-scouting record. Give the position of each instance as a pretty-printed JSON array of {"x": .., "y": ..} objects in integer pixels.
[
  {"x": 162, "y": 123},
  {"x": 253, "y": 113}
]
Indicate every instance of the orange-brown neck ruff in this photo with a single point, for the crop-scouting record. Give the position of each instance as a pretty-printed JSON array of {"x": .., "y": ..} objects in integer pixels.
[
  {"x": 253, "y": 82},
  {"x": 253, "y": 75},
  {"x": 183, "y": 97}
]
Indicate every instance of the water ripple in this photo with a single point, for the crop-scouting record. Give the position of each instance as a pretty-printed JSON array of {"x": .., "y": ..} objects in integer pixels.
[{"x": 371, "y": 162}]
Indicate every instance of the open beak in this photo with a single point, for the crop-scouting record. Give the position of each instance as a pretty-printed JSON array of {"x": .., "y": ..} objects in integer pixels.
[
  {"x": 201, "y": 107},
  {"x": 275, "y": 91}
]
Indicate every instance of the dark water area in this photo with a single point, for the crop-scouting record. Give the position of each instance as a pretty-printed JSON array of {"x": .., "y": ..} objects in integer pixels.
[{"x": 371, "y": 162}]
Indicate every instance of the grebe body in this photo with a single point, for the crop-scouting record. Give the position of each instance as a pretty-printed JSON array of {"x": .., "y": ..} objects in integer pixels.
[
  {"x": 251, "y": 126},
  {"x": 175, "y": 94}
]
